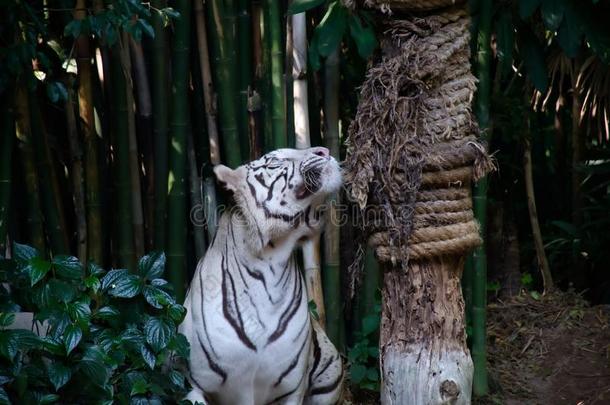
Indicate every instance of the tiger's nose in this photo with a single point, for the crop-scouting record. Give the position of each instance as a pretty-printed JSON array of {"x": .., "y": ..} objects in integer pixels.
[{"x": 320, "y": 151}]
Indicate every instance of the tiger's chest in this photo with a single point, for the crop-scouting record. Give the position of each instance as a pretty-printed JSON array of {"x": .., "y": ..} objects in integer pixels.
[{"x": 248, "y": 326}]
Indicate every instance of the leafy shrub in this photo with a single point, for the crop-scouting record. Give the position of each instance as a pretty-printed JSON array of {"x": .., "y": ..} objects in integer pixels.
[
  {"x": 363, "y": 356},
  {"x": 109, "y": 335}
]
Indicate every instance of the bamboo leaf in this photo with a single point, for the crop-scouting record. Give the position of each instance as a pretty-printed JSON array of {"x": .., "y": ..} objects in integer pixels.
[
  {"x": 331, "y": 28},
  {"x": 365, "y": 39},
  {"x": 569, "y": 35},
  {"x": 300, "y": 6},
  {"x": 532, "y": 53},
  {"x": 505, "y": 41},
  {"x": 552, "y": 13},
  {"x": 527, "y": 7}
]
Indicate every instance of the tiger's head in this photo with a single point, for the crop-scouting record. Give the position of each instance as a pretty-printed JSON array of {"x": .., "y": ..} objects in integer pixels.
[{"x": 282, "y": 193}]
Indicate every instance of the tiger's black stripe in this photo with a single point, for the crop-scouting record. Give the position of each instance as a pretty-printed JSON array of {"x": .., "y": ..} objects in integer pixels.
[
  {"x": 213, "y": 365},
  {"x": 325, "y": 389},
  {"x": 227, "y": 309},
  {"x": 292, "y": 364},
  {"x": 289, "y": 313}
]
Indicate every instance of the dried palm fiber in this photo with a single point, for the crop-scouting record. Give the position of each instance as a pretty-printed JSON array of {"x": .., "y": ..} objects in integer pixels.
[
  {"x": 411, "y": 5},
  {"x": 412, "y": 147}
]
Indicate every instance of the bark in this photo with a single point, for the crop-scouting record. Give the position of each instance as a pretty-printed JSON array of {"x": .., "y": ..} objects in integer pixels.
[{"x": 424, "y": 357}]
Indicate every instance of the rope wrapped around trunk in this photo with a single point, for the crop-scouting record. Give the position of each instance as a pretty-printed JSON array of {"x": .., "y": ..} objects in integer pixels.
[
  {"x": 413, "y": 148},
  {"x": 411, "y": 5}
]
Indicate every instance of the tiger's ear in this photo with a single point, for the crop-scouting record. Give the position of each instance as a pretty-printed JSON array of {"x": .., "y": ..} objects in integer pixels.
[{"x": 227, "y": 176}]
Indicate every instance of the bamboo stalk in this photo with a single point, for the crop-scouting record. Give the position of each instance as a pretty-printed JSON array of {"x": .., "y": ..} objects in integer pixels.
[
  {"x": 244, "y": 57},
  {"x": 179, "y": 127},
  {"x": 311, "y": 248},
  {"x": 144, "y": 132},
  {"x": 76, "y": 173},
  {"x": 28, "y": 161},
  {"x": 479, "y": 285},
  {"x": 255, "y": 107},
  {"x": 90, "y": 141},
  {"x": 134, "y": 159},
  {"x": 278, "y": 106},
  {"x": 331, "y": 264},
  {"x": 52, "y": 204},
  {"x": 223, "y": 51},
  {"x": 124, "y": 250},
  {"x": 196, "y": 200},
  {"x": 7, "y": 134},
  {"x": 210, "y": 115},
  {"x": 288, "y": 85},
  {"x": 160, "y": 97},
  {"x": 299, "y": 84}
]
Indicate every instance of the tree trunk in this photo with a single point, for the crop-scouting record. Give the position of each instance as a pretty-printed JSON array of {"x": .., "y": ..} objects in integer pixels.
[
  {"x": 543, "y": 264},
  {"x": 424, "y": 356}
]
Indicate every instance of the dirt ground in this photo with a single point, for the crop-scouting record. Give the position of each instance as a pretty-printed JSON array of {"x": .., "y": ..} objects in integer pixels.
[{"x": 546, "y": 350}]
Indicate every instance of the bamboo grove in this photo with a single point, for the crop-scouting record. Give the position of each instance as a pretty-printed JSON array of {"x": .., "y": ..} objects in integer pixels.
[{"x": 114, "y": 114}]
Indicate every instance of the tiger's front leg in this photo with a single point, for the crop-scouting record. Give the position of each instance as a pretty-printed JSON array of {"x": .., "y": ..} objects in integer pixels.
[{"x": 326, "y": 373}]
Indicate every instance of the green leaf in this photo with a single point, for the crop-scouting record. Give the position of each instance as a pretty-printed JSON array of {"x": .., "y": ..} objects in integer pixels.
[
  {"x": 372, "y": 374},
  {"x": 313, "y": 56},
  {"x": 180, "y": 345},
  {"x": 6, "y": 319},
  {"x": 68, "y": 267},
  {"x": 357, "y": 373},
  {"x": 176, "y": 312},
  {"x": 532, "y": 53},
  {"x": 107, "y": 313},
  {"x": 73, "y": 28},
  {"x": 527, "y": 7},
  {"x": 370, "y": 324},
  {"x": 300, "y": 6},
  {"x": 159, "y": 332},
  {"x": 56, "y": 92},
  {"x": 23, "y": 253},
  {"x": 62, "y": 291},
  {"x": 79, "y": 311},
  {"x": 53, "y": 346},
  {"x": 58, "y": 374},
  {"x": 157, "y": 297},
  {"x": 152, "y": 265},
  {"x": 552, "y": 13},
  {"x": 8, "y": 345},
  {"x": 570, "y": 32},
  {"x": 94, "y": 270},
  {"x": 567, "y": 227},
  {"x": 139, "y": 386},
  {"x": 331, "y": 29},
  {"x": 37, "y": 268},
  {"x": 176, "y": 378},
  {"x": 93, "y": 366},
  {"x": 148, "y": 356},
  {"x": 126, "y": 287},
  {"x": 365, "y": 39},
  {"x": 93, "y": 282},
  {"x": 72, "y": 337},
  {"x": 505, "y": 41},
  {"x": 122, "y": 284},
  {"x": 158, "y": 282},
  {"x": 4, "y": 397},
  {"x": 146, "y": 27},
  {"x": 49, "y": 399}
]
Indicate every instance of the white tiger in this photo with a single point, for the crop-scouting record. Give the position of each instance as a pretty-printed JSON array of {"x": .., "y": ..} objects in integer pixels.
[{"x": 252, "y": 339}]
